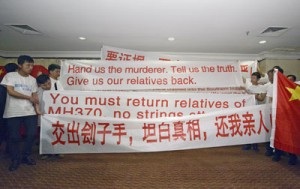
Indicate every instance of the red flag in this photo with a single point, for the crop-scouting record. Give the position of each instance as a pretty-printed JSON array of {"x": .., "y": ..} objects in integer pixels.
[
  {"x": 2, "y": 71},
  {"x": 38, "y": 70},
  {"x": 287, "y": 114}
]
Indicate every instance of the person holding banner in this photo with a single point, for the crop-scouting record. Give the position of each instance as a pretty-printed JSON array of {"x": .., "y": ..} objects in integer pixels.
[
  {"x": 255, "y": 88},
  {"x": 44, "y": 83},
  {"x": 54, "y": 74},
  {"x": 267, "y": 97},
  {"x": 277, "y": 152},
  {"x": 21, "y": 97}
]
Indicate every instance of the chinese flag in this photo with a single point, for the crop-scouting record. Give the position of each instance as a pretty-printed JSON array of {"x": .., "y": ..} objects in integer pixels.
[
  {"x": 38, "y": 70},
  {"x": 2, "y": 72},
  {"x": 286, "y": 114}
]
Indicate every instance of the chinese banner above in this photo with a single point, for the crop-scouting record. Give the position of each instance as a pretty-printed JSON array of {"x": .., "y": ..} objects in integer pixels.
[
  {"x": 119, "y": 54},
  {"x": 286, "y": 115},
  {"x": 205, "y": 76},
  {"x": 85, "y": 134}
]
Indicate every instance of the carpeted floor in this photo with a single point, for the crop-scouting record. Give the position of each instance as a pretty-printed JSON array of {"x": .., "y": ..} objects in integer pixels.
[{"x": 223, "y": 167}]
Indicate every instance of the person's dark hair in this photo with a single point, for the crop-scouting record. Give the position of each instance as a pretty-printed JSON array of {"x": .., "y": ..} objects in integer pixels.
[
  {"x": 278, "y": 68},
  {"x": 25, "y": 58},
  {"x": 52, "y": 67},
  {"x": 41, "y": 79},
  {"x": 11, "y": 67},
  {"x": 270, "y": 71},
  {"x": 293, "y": 76},
  {"x": 257, "y": 74}
]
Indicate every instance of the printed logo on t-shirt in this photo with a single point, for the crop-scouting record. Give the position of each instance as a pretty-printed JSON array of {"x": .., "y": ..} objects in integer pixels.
[{"x": 22, "y": 87}]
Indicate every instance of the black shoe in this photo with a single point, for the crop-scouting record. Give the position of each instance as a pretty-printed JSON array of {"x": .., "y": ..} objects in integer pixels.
[
  {"x": 14, "y": 165},
  {"x": 293, "y": 160},
  {"x": 246, "y": 147},
  {"x": 269, "y": 153},
  {"x": 276, "y": 158},
  {"x": 255, "y": 147},
  {"x": 28, "y": 161}
]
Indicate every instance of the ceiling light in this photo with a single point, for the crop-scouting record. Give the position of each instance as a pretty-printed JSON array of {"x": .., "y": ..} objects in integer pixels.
[
  {"x": 82, "y": 38},
  {"x": 171, "y": 38},
  {"x": 262, "y": 42}
]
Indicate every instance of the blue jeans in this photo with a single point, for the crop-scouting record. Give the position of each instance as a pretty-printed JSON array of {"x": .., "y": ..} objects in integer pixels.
[{"x": 13, "y": 125}]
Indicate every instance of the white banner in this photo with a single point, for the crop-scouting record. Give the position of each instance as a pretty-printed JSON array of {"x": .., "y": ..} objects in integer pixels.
[
  {"x": 205, "y": 76},
  {"x": 84, "y": 134},
  {"x": 139, "y": 105},
  {"x": 119, "y": 54}
]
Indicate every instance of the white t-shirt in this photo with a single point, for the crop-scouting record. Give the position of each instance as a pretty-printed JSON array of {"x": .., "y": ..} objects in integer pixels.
[
  {"x": 41, "y": 104},
  {"x": 257, "y": 89},
  {"x": 269, "y": 93},
  {"x": 58, "y": 84},
  {"x": 17, "y": 107}
]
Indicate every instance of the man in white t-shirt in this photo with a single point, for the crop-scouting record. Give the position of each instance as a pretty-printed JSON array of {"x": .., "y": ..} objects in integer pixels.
[
  {"x": 54, "y": 73},
  {"x": 19, "y": 109},
  {"x": 256, "y": 89}
]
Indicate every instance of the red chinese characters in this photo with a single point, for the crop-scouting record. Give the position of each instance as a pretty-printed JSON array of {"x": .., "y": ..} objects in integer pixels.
[
  {"x": 117, "y": 56},
  {"x": 58, "y": 133},
  {"x": 119, "y": 131},
  {"x": 194, "y": 130},
  {"x": 249, "y": 124},
  {"x": 178, "y": 131},
  {"x": 234, "y": 124},
  {"x": 73, "y": 135},
  {"x": 149, "y": 132},
  {"x": 164, "y": 132},
  {"x": 112, "y": 56},
  {"x": 244, "y": 68},
  {"x": 88, "y": 133},
  {"x": 222, "y": 127},
  {"x": 262, "y": 124},
  {"x": 173, "y": 132}
]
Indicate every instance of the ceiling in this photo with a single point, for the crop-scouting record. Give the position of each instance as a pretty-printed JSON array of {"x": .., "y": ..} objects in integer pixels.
[{"x": 198, "y": 26}]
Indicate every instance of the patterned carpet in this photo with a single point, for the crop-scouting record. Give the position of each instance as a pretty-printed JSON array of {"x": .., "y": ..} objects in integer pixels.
[{"x": 223, "y": 167}]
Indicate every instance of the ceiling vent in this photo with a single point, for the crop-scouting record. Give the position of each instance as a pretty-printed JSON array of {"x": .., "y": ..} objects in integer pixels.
[
  {"x": 24, "y": 29},
  {"x": 273, "y": 32}
]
